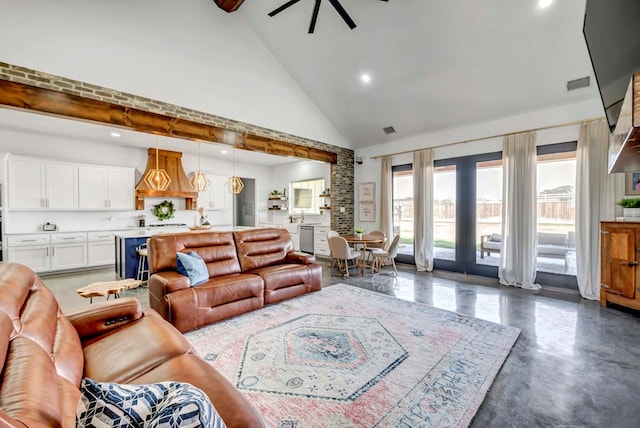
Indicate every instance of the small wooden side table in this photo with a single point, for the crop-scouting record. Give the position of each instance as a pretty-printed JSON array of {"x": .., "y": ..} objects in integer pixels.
[{"x": 107, "y": 288}]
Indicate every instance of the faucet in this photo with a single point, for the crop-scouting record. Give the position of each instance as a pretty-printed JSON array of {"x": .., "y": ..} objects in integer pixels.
[{"x": 301, "y": 216}]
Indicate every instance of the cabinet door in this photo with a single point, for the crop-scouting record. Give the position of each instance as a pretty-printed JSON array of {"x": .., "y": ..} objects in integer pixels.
[
  {"x": 92, "y": 187},
  {"x": 26, "y": 187},
  {"x": 101, "y": 253},
  {"x": 36, "y": 257},
  {"x": 61, "y": 186},
  {"x": 619, "y": 260},
  {"x": 121, "y": 188},
  {"x": 68, "y": 256},
  {"x": 219, "y": 196}
]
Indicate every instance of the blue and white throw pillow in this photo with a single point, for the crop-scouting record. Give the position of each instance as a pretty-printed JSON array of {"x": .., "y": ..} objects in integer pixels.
[
  {"x": 164, "y": 404},
  {"x": 193, "y": 266}
]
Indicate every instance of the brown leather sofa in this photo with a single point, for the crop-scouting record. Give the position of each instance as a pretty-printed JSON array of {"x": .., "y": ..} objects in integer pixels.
[
  {"x": 247, "y": 270},
  {"x": 47, "y": 354}
]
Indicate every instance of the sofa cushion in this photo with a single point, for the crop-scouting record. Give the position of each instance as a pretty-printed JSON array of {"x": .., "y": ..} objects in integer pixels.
[
  {"x": 166, "y": 404},
  {"x": 219, "y": 298},
  {"x": 217, "y": 249},
  {"x": 262, "y": 247},
  {"x": 285, "y": 281},
  {"x": 192, "y": 266}
]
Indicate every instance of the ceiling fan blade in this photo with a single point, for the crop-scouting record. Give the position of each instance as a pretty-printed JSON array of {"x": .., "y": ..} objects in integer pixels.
[
  {"x": 274, "y": 12},
  {"x": 343, "y": 13},
  {"x": 314, "y": 17}
]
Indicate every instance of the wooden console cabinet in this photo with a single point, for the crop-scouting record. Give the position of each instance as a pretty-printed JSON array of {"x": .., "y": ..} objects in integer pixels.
[{"x": 620, "y": 274}]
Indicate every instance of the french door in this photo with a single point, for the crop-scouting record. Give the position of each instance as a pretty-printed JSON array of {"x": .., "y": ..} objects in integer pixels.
[{"x": 467, "y": 212}]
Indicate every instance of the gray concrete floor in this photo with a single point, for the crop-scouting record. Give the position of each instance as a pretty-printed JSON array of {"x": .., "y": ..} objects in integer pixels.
[{"x": 575, "y": 363}]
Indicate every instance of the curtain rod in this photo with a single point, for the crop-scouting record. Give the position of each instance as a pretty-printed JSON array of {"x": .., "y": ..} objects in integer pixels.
[{"x": 558, "y": 125}]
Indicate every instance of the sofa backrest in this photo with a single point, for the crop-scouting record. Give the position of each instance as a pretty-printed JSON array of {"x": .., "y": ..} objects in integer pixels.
[
  {"x": 40, "y": 351},
  {"x": 262, "y": 247},
  {"x": 218, "y": 250},
  {"x": 548, "y": 238}
]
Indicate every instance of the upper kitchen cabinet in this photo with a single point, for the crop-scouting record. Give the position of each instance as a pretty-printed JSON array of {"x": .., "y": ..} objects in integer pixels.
[
  {"x": 217, "y": 197},
  {"x": 36, "y": 185},
  {"x": 106, "y": 187}
]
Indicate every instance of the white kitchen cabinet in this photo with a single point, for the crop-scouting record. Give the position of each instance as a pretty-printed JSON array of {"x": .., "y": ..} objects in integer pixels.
[
  {"x": 217, "y": 197},
  {"x": 34, "y": 185},
  {"x": 46, "y": 252},
  {"x": 68, "y": 256},
  {"x": 105, "y": 187},
  {"x": 320, "y": 243},
  {"x": 35, "y": 256},
  {"x": 101, "y": 248}
]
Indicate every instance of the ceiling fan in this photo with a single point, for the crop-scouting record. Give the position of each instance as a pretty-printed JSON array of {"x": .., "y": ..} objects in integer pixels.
[{"x": 314, "y": 16}]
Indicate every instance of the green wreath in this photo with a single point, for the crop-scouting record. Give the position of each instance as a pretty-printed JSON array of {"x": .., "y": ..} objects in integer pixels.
[{"x": 164, "y": 210}]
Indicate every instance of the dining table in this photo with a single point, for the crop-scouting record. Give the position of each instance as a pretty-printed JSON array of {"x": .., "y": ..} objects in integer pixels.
[{"x": 363, "y": 240}]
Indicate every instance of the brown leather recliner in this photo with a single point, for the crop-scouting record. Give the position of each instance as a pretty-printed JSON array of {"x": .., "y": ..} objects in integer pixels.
[
  {"x": 46, "y": 355},
  {"x": 247, "y": 269}
]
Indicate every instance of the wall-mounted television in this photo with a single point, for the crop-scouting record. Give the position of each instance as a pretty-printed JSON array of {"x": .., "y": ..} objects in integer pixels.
[{"x": 612, "y": 33}]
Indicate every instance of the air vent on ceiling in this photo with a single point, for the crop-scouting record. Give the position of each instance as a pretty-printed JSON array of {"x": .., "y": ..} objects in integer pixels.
[
  {"x": 389, "y": 130},
  {"x": 583, "y": 82}
]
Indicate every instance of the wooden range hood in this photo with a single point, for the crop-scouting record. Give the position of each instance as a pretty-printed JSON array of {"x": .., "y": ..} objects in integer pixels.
[{"x": 179, "y": 187}]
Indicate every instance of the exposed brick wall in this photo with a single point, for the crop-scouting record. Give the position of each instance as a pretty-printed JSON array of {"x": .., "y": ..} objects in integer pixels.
[{"x": 342, "y": 173}]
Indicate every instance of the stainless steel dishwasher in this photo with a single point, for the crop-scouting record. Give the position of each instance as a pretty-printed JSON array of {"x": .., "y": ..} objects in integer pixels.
[{"x": 306, "y": 239}]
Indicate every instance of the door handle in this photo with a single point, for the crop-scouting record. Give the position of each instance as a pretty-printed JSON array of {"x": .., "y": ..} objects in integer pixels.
[{"x": 632, "y": 264}]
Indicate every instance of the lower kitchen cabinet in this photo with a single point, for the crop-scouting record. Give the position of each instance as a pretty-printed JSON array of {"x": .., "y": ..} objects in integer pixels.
[
  {"x": 320, "y": 244},
  {"x": 48, "y": 252},
  {"x": 36, "y": 257}
]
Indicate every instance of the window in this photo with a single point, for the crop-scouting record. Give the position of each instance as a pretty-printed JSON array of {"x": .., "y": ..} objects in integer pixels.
[
  {"x": 306, "y": 196},
  {"x": 556, "y": 196}
]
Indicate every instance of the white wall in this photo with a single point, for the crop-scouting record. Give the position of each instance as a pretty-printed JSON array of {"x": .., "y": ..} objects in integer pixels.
[
  {"x": 189, "y": 53},
  {"x": 370, "y": 169}
]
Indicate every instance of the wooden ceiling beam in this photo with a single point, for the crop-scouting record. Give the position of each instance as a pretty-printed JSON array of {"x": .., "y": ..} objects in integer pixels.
[
  {"x": 228, "y": 5},
  {"x": 46, "y": 101}
]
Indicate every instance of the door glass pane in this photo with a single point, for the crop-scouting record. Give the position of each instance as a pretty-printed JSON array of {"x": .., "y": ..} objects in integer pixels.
[
  {"x": 556, "y": 175},
  {"x": 444, "y": 212},
  {"x": 403, "y": 210},
  {"x": 488, "y": 212}
]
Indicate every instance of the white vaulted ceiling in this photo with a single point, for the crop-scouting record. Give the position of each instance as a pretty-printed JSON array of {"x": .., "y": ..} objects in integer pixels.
[{"x": 433, "y": 64}]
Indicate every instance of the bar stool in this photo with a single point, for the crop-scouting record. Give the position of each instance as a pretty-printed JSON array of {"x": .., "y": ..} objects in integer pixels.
[{"x": 143, "y": 269}]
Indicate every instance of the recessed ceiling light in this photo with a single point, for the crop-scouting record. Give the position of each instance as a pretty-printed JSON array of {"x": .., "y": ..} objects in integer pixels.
[
  {"x": 544, "y": 3},
  {"x": 115, "y": 135},
  {"x": 365, "y": 78},
  {"x": 224, "y": 152}
]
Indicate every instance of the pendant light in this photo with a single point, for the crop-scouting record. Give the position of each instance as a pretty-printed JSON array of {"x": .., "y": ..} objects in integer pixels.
[
  {"x": 156, "y": 178},
  {"x": 234, "y": 184},
  {"x": 198, "y": 180}
]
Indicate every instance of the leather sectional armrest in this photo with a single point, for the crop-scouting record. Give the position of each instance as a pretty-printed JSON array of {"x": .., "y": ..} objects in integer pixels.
[
  {"x": 101, "y": 318},
  {"x": 301, "y": 258},
  {"x": 168, "y": 281}
]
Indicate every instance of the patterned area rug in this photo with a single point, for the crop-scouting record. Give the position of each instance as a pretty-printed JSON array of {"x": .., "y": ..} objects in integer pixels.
[{"x": 348, "y": 357}]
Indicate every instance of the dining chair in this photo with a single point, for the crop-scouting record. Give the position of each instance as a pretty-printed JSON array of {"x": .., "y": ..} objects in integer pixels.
[
  {"x": 370, "y": 246},
  {"x": 330, "y": 234},
  {"x": 341, "y": 252},
  {"x": 381, "y": 257}
]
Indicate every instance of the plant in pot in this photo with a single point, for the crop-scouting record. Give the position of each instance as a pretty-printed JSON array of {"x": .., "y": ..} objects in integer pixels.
[
  {"x": 359, "y": 231},
  {"x": 630, "y": 207}
]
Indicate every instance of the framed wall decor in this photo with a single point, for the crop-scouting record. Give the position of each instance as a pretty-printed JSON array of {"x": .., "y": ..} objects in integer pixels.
[
  {"x": 367, "y": 191},
  {"x": 367, "y": 211},
  {"x": 632, "y": 184}
]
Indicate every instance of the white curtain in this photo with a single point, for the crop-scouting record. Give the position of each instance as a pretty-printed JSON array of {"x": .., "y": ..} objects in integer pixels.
[
  {"x": 386, "y": 198},
  {"x": 423, "y": 209},
  {"x": 594, "y": 202},
  {"x": 519, "y": 239}
]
